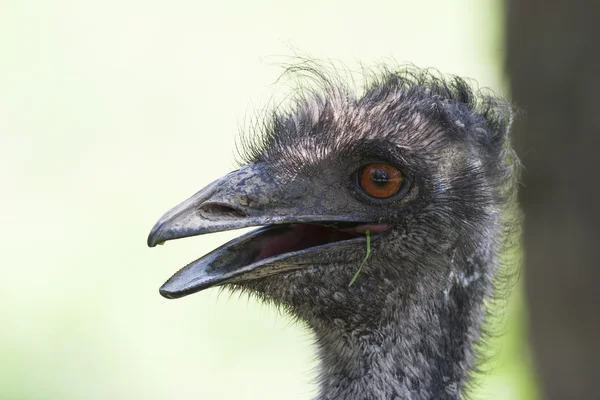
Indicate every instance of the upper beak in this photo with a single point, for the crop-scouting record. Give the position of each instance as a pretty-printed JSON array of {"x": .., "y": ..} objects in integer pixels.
[
  {"x": 237, "y": 200},
  {"x": 250, "y": 196}
]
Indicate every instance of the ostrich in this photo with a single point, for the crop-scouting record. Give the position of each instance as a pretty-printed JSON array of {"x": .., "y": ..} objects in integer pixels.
[{"x": 423, "y": 163}]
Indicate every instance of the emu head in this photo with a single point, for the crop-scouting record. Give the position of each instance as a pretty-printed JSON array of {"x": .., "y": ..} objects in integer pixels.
[{"x": 419, "y": 161}]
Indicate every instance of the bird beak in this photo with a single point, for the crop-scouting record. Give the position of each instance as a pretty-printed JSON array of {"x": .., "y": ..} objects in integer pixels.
[{"x": 300, "y": 226}]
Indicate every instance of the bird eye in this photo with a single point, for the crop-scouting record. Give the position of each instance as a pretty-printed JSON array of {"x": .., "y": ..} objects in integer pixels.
[{"x": 380, "y": 181}]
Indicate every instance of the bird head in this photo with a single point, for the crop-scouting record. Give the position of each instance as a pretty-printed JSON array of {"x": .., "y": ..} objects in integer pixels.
[{"x": 403, "y": 183}]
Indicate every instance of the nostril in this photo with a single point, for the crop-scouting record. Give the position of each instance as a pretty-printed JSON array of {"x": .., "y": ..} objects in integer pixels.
[{"x": 212, "y": 210}]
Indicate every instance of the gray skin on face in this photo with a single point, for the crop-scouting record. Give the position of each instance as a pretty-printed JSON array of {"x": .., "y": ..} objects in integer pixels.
[{"x": 407, "y": 327}]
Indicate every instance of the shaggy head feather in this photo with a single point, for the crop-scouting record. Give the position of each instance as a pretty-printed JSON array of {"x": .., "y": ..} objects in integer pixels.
[{"x": 409, "y": 329}]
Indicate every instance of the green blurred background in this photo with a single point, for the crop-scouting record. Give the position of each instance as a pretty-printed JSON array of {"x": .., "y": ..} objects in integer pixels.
[{"x": 113, "y": 111}]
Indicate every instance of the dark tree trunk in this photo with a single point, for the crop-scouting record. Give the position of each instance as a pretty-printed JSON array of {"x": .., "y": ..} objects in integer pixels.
[{"x": 554, "y": 67}]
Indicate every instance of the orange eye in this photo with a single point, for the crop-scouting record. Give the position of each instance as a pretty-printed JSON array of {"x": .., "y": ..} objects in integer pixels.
[{"x": 381, "y": 181}]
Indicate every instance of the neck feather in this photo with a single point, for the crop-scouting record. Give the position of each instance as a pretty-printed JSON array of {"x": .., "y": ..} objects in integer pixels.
[{"x": 423, "y": 351}]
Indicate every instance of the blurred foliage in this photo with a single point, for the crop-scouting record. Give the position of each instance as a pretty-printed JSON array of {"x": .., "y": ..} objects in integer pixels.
[{"x": 113, "y": 111}]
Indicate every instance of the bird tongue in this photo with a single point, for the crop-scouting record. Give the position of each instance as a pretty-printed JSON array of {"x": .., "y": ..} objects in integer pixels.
[
  {"x": 373, "y": 228},
  {"x": 304, "y": 236}
]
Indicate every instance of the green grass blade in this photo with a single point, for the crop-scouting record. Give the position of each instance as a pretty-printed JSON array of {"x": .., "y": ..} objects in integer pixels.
[{"x": 368, "y": 233}]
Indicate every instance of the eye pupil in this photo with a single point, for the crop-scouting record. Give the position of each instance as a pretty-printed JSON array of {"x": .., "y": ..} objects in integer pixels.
[
  {"x": 380, "y": 181},
  {"x": 379, "y": 177}
]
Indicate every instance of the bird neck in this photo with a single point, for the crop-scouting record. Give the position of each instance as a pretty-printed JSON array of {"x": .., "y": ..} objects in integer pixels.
[{"x": 424, "y": 351}]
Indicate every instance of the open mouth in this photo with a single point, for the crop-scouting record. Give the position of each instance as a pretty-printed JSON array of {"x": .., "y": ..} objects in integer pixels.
[
  {"x": 267, "y": 251},
  {"x": 300, "y": 237}
]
